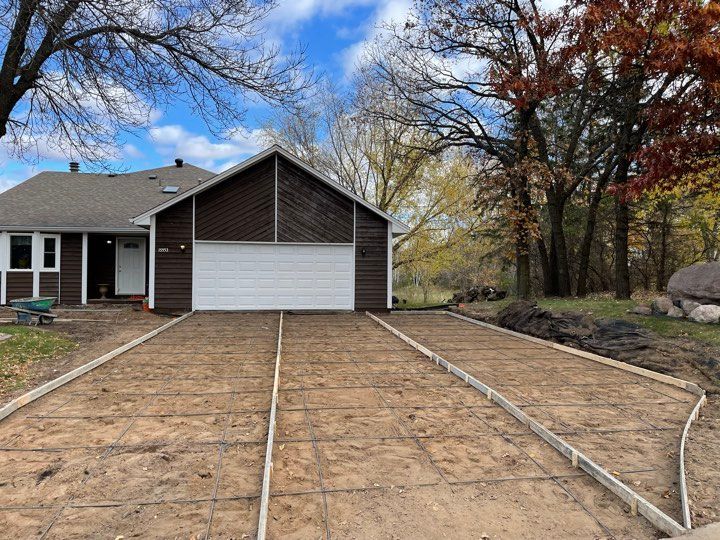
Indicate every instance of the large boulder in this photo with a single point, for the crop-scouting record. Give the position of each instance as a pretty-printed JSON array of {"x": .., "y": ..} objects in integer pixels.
[
  {"x": 688, "y": 305},
  {"x": 642, "y": 310},
  {"x": 661, "y": 305},
  {"x": 699, "y": 282},
  {"x": 675, "y": 312},
  {"x": 708, "y": 314}
]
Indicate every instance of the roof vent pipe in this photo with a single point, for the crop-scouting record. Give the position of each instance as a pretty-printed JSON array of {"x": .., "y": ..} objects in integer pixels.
[
  {"x": 178, "y": 162},
  {"x": 74, "y": 166}
]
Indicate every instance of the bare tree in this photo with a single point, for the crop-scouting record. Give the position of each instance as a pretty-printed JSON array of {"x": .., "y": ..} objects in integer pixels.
[
  {"x": 475, "y": 75},
  {"x": 81, "y": 71}
]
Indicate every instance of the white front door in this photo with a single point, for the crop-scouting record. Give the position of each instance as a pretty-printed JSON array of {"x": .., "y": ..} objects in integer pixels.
[
  {"x": 130, "y": 274},
  {"x": 231, "y": 276}
]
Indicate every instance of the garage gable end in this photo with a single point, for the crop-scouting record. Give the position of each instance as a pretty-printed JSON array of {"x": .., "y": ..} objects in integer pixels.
[
  {"x": 240, "y": 209},
  {"x": 310, "y": 210}
]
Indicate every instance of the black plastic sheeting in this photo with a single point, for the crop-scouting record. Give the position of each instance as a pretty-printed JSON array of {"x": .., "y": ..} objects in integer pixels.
[{"x": 602, "y": 336}]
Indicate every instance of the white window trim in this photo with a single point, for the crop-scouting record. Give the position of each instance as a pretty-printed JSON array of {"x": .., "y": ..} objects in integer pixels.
[
  {"x": 41, "y": 251},
  {"x": 8, "y": 251},
  {"x": 3, "y": 265}
]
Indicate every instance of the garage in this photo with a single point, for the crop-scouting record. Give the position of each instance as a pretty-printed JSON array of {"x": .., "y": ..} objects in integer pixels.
[
  {"x": 270, "y": 233},
  {"x": 240, "y": 276}
]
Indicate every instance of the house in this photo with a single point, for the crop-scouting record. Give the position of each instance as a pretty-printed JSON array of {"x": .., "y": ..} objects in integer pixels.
[{"x": 269, "y": 233}]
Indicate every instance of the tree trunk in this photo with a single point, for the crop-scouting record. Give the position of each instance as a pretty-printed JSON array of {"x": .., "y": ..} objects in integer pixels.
[
  {"x": 522, "y": 270},
  {"x": 586, "y": 246},
  {"x": 522, "y": 242},
  {"x": 556, "y": 209},
  {"x": 662, "y": 260},
  {"x": 622, "y": 269},
  {"x": 545, "y": 263}
]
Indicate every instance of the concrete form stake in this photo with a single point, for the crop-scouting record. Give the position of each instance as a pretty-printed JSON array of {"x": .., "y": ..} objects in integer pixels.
[{"x": 575, "y": 462}]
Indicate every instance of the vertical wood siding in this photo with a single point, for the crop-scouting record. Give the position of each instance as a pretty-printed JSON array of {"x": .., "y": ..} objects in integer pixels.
[
  {"x": 370, "y": 269},
  {"x": 19, "y": 285},
  {"x": 50, "y": 284},
  {"x": 173, "y": 269},
  {"x": 70, "y": 269},
  {"x": 241, "y": 208},
  {"x": 309, "y": 210}
]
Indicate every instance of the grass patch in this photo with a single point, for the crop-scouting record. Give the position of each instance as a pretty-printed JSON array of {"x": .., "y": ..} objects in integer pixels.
[
  {"x": 26, "y": 346},
  {"x": 415, "y": 297}
]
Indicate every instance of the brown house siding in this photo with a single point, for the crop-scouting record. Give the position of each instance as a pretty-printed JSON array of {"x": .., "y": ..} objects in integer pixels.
[
  {"x": 70, "y": 269},
  {"x": 240, "y": 208},
  {"x": 173, "y": 269},
  {"x": 309, "y": 210},
  {"x": 19, "y": 285},
  {"x": 371, "y": 234},
  {"x": 49, "y": 284}
]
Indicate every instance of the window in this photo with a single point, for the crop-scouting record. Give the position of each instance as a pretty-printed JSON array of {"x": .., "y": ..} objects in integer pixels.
[
  {"x": 50, "y": 255},
  {"x": 20, "y": 252}
]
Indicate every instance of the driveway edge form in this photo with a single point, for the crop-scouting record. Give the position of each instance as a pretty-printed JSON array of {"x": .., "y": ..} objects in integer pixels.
[{"x": 48, "y": 387}]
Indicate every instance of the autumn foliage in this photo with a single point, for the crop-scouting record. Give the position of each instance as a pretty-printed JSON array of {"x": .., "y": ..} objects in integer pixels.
[{"x": 666, "y": 54}]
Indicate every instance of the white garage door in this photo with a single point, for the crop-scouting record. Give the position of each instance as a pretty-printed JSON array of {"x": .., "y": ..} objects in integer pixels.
[{"x": 273, "y": 276}]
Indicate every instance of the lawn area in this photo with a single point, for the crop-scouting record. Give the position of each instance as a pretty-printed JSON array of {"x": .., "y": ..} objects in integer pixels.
[
  {"x": 26, "y": 346},
  {"x": 416, "y": 297}
]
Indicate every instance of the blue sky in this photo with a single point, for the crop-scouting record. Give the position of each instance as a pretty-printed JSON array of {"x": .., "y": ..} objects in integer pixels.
[{"x": 333, "y": 32}]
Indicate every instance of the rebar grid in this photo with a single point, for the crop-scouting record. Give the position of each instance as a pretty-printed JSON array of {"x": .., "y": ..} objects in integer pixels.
[
  {"x": 221, "y": 452},
  {"x": 316, "y": 452},
  {"x": 661, "y": 520},
  {"x": 190, "y": 443},
  {"x": 115, "y": 444},
  {"x": 313, "y": 438},
  {"x": 89, "y": 473},
  {"x": 253, "y": 496}
]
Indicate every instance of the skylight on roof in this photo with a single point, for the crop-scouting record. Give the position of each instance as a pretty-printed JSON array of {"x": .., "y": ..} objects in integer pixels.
[{"x": 170, "y": 189}]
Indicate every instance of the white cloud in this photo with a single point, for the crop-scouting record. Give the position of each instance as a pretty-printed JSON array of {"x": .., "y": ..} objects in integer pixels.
[
  {"x": 177, "y": 141},
  {"x": 289, "y": 14},
  {"x": 391, "y": 11}
]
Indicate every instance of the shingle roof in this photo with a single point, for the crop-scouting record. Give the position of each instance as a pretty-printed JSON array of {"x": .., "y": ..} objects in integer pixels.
[{"x": 95, "y": 201}]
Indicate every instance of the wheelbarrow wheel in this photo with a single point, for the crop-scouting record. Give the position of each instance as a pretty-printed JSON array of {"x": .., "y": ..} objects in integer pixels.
[{"x": 45, "y": 319}]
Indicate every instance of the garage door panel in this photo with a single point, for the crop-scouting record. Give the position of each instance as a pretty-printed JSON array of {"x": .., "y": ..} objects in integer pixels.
[{"x": 273, "y": 276}]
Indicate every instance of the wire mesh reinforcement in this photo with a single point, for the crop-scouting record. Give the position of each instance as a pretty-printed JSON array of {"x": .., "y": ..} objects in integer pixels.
[{"x": 637, "y": 503}]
